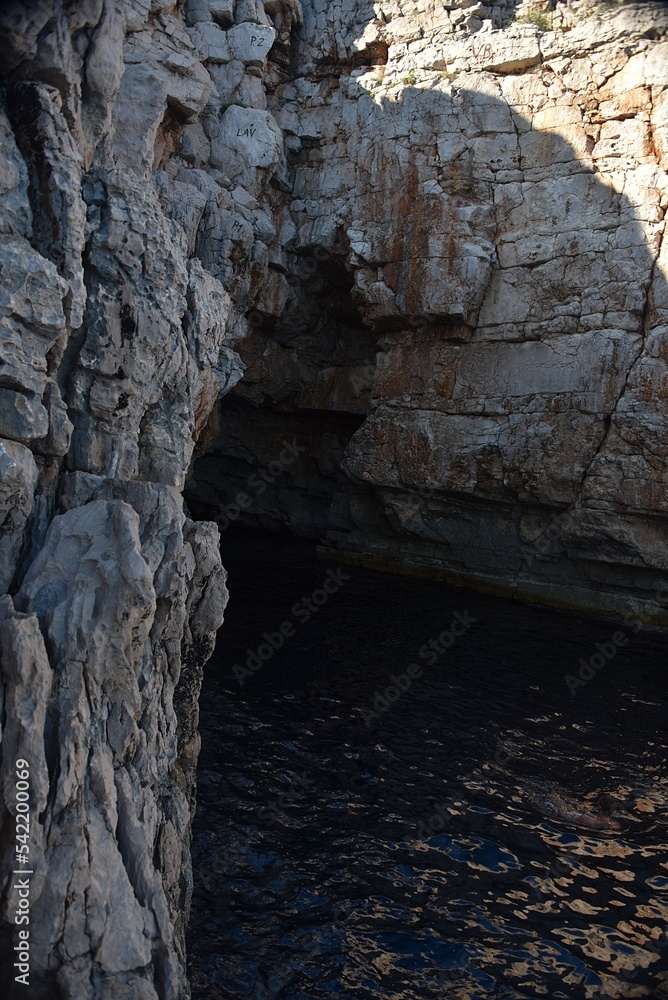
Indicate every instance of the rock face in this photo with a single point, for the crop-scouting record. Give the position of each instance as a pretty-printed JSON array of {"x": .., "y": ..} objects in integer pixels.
[
  {"x": 471, "y": 348},
  {"x": 114, "y": 350},
  {"x": 392, "y": 275}
]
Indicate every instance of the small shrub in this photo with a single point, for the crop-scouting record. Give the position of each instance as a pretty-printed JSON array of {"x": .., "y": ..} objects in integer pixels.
[
  {"x": 410, "y": 79},
  {"x": 537, "y": 16},
  {"x": 231, "y": 104}
]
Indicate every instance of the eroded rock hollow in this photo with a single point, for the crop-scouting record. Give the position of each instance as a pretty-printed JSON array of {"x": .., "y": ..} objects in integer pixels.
[{"x": 391, "y": 276}]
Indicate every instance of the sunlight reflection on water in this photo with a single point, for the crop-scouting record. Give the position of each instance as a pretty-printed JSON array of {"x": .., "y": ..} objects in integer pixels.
[{"x": 408, "y": 857}]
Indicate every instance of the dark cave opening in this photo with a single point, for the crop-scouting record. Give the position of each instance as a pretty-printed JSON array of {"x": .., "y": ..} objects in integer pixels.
[
  {"x": 271, "y": 456},
  {"x": 276, "y": 468}
]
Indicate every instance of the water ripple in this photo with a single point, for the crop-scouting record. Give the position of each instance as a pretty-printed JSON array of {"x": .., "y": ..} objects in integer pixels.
[{"x": 427, "y": 854}]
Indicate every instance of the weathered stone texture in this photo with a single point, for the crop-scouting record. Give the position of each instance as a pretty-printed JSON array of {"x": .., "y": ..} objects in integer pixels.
[
  {"x": 425, "y": 242},
  {"x": 496, "y": 193},
  {"x": 113, "y": 354}
]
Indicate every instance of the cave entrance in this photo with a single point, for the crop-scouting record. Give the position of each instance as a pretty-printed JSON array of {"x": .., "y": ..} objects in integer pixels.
[
  {"x": 276, "y": 468},
  {"x": 272, "y": 454}
]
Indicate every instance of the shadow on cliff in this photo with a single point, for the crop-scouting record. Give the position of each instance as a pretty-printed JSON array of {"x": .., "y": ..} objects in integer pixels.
[
  {"x": 501, "y": 244},
  {"x": 528, "y": 279},
  {"x": 483, "y": 314}
]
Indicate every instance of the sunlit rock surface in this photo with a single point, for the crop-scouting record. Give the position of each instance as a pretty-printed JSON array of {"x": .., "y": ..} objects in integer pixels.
[{"x": 392, "y": 272}]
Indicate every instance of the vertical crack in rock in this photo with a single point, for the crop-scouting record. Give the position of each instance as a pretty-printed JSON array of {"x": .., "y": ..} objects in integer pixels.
[{"x": 645, "y": 327}]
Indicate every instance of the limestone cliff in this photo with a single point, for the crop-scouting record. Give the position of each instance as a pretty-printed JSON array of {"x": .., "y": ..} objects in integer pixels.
[
  {"x": 423, "y": 241},
  {"x": 466, "y": 329}
]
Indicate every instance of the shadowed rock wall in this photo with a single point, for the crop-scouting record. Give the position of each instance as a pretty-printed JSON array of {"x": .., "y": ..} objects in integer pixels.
[
  {"x": 478, "y": 296},
  {"x": 397, "y": 271}
]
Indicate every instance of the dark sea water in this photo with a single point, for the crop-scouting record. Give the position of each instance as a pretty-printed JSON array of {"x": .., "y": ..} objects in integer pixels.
[{"x": 405, "y": 854}]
